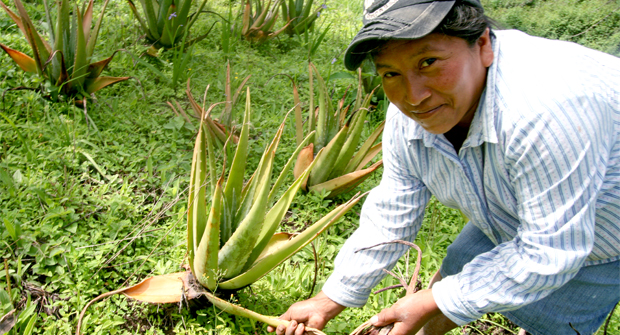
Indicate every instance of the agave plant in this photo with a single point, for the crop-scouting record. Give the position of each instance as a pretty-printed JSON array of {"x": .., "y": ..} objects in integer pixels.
[
  {"x": 64, "y": 62},
  {"x": 165, "y": 22},
  {"x": 299, "y": 15},
  {"x": 342, "y": 166},
  {"x": 259, "y": 18},
  {"x": 232, "y": 243}
]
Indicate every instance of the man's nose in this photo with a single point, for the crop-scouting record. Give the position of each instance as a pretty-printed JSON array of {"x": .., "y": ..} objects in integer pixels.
[{"x": 417, "y": 91}]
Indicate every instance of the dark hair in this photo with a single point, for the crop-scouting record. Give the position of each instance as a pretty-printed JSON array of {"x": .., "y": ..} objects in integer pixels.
[{"x": 466, "y": 22}]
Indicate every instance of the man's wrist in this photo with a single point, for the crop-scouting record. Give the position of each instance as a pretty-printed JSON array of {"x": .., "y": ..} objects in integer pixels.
[{"x": 332, "y": 308}]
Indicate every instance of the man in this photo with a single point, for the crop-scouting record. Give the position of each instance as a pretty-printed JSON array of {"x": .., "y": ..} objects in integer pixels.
[{"x": 522, "y": 134}]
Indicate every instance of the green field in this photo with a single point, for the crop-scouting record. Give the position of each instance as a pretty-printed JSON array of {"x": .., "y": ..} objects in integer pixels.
[{"x": 94, "y": 199}]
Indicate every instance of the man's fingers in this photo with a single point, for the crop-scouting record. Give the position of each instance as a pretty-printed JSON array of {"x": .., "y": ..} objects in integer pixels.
[
  {"x": 386, "y": 317},
  {"x": 300, "y": 329},
  {"x": 292, "y": 326}
]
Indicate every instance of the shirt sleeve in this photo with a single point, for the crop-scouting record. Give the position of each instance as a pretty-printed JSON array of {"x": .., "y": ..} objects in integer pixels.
[
  {"x": 393, "y": 210},
  {"x": 557, "y": 162}
]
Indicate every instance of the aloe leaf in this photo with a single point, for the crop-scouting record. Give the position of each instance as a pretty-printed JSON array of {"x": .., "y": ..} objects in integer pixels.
[
  {"x": 289, "y": 164},
  {"x": 275, "y": 215},
  {"x": 289, "y": 248},
  {"x": 24, "y": 61},
  {"x": 304, "y": 159},
  {"x": 95, "y": 69},
  {"x": 376, "y": 149},
  {"x": 41, "y": 50},
  {"x": 15, "y": 18},
  {"x": 343, "y": 184},
  {"x": 325, "y": 121},
  {"x": 236, "y": 251},
  {"x": 94, "y": 85},
  {"x": 206, "y": 257},
  {"x": 259, "y": 21},
  {"x": 246, "y": 18},
  {"x": 133, "y": 8},
  {"x": 311, "y": 116},
  {"x": 234, "y": 184},
  {"x": 167, "y": 31},
  {"x": 151, "y": 18},
  {"x": 81, "y": 63},
  {"x": 87, "y": 20},
  {"x": 196, "y": 211},
  {"x": 275, "y": 242},
  {"x": 249, "y": 193},
  {"x": 361, "y": 153},
  {"x": 349, "y": 146},
  {"x": 164, "y": 13},
  {"x": 92, "y": 39},
  {"x": 325, "y": 163}
]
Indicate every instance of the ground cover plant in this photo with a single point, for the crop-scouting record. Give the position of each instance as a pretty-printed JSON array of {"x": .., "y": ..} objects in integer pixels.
[{"x": 95, "y": 199}]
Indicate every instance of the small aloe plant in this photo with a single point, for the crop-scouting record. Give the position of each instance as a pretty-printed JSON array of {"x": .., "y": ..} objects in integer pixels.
[
  {"x": 342, "y": 167},
  {"x": 233, "y": 242},
  {"x": 259, "y": 18},
  {"x": 299, "y": 15},
  {"x": 64, "y": 61},
  {"x": 165, "y": 22}
]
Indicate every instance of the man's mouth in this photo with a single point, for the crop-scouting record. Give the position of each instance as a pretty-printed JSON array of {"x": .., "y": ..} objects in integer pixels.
[{"x": 427, "y": 111}]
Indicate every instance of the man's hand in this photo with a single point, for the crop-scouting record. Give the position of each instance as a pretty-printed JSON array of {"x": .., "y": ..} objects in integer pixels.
[
  {"x": 409, "y": 314},
  {"x": 314, "y": 312}
]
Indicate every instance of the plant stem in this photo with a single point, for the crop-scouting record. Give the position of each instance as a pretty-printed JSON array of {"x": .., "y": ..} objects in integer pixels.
[{"x": 8, "y": 278}]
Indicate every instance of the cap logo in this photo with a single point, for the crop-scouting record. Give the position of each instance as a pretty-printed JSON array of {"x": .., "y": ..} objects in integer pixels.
[{"x": 378, "y": 9}]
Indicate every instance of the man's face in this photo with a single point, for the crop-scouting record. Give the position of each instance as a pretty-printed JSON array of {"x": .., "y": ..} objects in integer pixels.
[{"x": 436, "y": 80}]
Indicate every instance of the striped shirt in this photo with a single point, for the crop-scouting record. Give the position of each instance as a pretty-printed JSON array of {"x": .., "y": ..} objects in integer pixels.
[{"x": 539, "y": 174}]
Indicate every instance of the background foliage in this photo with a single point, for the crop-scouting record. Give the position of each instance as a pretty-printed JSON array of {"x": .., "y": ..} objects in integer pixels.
[{"x": 94, "y": 199}]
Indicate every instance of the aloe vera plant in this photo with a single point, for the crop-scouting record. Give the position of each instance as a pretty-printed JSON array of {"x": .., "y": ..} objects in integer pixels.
[
  {"x": 342, "y": 166},
  {"x": 165, "y": 22},
  {"x": 299, "y": 15},
  {"x": 259, "y": 18},
  {"x": 232, "y": 243},
  {"x": 64, "y": 61}
]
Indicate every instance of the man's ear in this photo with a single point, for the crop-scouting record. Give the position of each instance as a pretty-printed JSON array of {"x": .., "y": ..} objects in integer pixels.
[{"x": 486, "y": 49}]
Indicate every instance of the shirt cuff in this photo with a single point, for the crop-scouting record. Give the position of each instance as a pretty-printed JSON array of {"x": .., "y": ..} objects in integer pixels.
[
  {"x": 344, "y": 295},
  {"x": 450, "y": 300}
]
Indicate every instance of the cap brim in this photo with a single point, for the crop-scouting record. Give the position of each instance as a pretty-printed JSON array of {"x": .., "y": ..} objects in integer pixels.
[{"x": 427, "y": 16}]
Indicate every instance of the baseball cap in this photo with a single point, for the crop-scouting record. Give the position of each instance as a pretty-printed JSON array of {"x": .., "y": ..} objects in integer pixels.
[{"x": 397, "y": 19}]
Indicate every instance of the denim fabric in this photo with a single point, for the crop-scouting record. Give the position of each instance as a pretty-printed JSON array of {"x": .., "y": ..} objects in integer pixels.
[{"x": 584, "y": 302}]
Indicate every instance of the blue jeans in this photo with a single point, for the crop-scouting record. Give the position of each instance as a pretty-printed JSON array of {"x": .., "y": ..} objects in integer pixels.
[{"x": 584, "y": 302}]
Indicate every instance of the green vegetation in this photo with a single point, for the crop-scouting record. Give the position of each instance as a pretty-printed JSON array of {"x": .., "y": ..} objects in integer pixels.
[{"x": 94, "y": 199}]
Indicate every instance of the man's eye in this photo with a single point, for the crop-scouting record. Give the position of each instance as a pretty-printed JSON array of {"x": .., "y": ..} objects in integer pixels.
[
  {"x": 389, "y": 74},
  {"x": 427, "y": 62}
]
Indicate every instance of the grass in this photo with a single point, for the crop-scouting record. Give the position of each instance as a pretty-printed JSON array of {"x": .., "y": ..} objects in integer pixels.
[{"x": 92, "y": 201}]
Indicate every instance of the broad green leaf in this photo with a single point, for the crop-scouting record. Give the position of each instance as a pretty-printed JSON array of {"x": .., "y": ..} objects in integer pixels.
[
  {"x": 92, "y": 38},
  {"x": 81, "y": 62},
  {"x": 289, "y": 164},
  {"x": 151, "y": 18},
  {"x": 236, "y": 251},
  {"x": 361, "y": 153},
  {"x": 289, "y": 248},
  {"x": 196, "y": 211},
  {"x": 206, "y": 257},
  {"x": 350, "y": 144},
  {"x": 325, "y": 163},
  {"x": 234, "y": 184},
  {"x": 275, "y": 215},
  {"x": 346, "y": 182}
]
